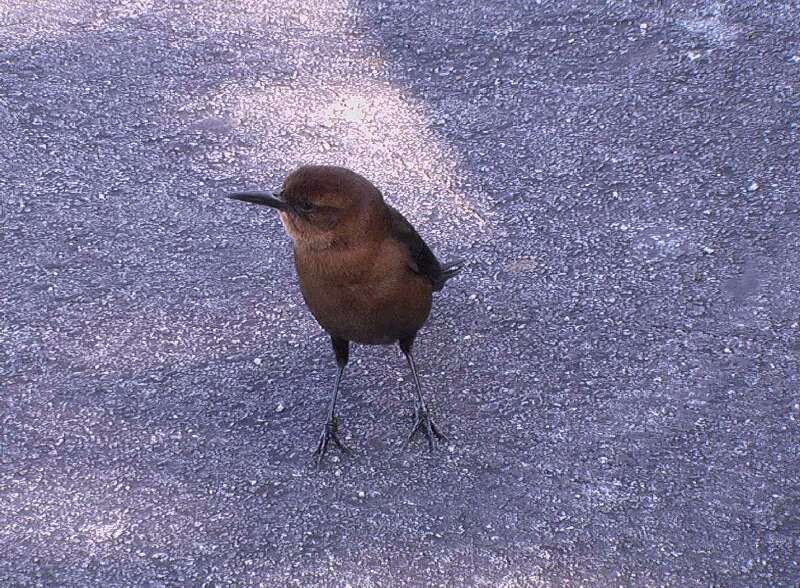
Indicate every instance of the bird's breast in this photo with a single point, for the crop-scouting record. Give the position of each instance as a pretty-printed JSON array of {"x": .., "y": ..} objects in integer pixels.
[{"x": 366, "y": 294}]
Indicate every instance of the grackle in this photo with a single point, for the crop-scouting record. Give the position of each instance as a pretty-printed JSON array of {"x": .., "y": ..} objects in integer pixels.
[{"x": 365, "y": 273}]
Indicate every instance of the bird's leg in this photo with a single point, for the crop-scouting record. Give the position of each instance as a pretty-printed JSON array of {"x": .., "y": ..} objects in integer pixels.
[
  {"x": 331, "y": 428},
  {"x": 329, "y": 432},
  {"x": 423, "y": 421}
]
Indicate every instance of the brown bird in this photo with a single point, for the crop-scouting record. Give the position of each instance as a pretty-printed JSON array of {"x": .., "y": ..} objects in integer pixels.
[{"x": 365, "y": 273}]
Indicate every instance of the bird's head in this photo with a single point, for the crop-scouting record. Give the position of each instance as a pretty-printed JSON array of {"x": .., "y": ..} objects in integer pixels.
[{"x": 320, "y": 205}]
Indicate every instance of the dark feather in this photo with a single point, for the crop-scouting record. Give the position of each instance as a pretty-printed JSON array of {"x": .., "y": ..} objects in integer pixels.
[{"x": 422, "y": 260}]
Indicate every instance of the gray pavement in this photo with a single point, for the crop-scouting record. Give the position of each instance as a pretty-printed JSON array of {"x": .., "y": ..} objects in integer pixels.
[{"x": 617, "y": 368}]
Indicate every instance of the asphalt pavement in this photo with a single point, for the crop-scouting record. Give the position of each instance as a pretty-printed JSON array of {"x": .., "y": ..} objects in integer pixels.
[{"x": 617, "y": 368}]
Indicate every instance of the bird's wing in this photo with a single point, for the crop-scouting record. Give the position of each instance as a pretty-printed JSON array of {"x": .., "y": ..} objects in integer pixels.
[{"x": 421, "y": 260}]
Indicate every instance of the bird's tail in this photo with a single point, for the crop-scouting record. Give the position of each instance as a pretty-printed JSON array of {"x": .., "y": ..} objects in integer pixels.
[{"x": 449, "y": 269}]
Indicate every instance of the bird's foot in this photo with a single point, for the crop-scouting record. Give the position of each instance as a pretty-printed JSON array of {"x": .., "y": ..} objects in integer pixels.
[
  {"x": 424, "y": 422},
  {"x": 329, "y": 433}
]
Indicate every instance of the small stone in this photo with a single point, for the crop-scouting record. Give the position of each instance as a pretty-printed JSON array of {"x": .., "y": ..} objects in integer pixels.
[
  {"x": 796, "y": 58},
  {"x": 753, "y": 187},
  {"x": 694, "y": 55},
  {"x": 361, "y": 494},
  {"x": 280, "y": 407},
  {"x": 257, "y": 361},
  {"x": 707, "y": 250}
]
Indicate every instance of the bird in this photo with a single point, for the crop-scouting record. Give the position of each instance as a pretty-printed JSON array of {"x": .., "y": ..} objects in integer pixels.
[{"x": 364, "y": 272}]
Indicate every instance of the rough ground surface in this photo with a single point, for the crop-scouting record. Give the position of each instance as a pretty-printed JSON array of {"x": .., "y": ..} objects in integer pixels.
[{"x": 617, "y": 368}]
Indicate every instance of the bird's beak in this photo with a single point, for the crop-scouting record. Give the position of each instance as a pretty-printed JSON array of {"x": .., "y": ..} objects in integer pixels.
[{"x": 260, "y": 198}]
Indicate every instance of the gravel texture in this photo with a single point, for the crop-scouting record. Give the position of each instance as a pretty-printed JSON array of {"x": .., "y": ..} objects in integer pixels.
[{"x": 617, "y": 368}]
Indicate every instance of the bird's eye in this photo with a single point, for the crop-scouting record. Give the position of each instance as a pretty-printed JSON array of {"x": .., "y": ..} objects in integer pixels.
[{"x": 305, "y": 206}]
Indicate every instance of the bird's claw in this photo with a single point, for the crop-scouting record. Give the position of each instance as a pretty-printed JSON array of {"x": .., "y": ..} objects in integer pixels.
[
  {"x": 329, "y": 433},
  {"x": 425, "y": 423}
]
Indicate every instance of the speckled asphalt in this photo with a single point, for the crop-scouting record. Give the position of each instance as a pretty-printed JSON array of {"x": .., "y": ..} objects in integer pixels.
[{"x": 617, "y": 368}]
